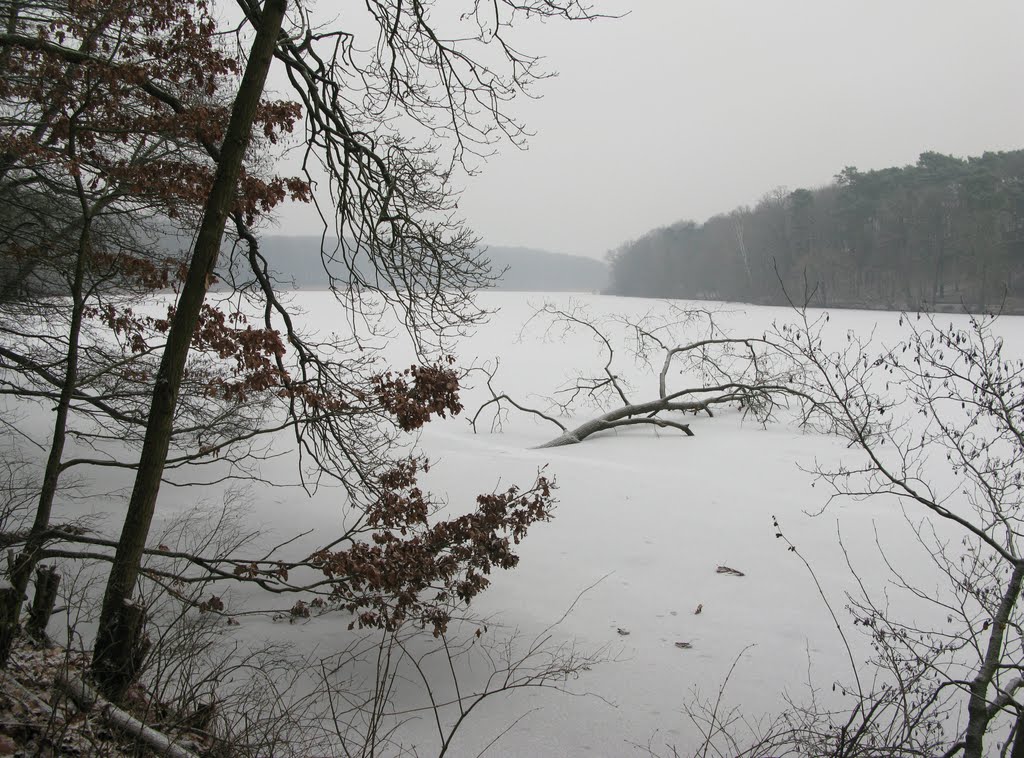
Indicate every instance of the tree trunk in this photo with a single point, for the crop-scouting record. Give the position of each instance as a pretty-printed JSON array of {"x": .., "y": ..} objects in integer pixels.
[
  {"x": 21, "y": 571},
  {"x": 1018, "y": 738},
  {"x": 111, "y": 656},
  {"x": 47, "y": 582},
  {"x": 978, "y": 717},
  {"x": 86, "y": 699},
  {"x": 629, "y": 415}
]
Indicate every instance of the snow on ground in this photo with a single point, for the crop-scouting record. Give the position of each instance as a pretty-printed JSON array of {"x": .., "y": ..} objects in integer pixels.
[{"x": 643, "y": 520}]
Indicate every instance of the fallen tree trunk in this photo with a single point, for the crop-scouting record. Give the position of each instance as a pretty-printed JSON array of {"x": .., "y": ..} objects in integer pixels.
[
  {"x": 14, "y": 688},
  {"x": 86, "y": 698},
  {"x": 749, "y": 373},
  {"x": 628, "y": 415},
  {"x": 647, "y": 413}
]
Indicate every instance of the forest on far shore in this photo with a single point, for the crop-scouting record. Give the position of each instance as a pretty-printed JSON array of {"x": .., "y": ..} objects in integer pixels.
[{"x": 943, "y": 233}]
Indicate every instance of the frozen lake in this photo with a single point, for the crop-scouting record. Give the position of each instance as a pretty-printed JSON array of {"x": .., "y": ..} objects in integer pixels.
[{"x": 643, "y": 519}]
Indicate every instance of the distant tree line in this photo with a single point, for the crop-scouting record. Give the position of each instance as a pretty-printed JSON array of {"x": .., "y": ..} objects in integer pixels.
[
  {"x": 298, "y": 262},
  {"x": 942, "y": 232}
]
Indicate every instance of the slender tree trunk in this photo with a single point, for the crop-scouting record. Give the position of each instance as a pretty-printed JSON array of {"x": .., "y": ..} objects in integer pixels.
[
  {"x": 112, "y": 654},
  {"x": 1018, "y": 738},
  {"x": 978, "y": 717},
  {"x": 21, "y": 572},
  {"x": 746, "y": 258}
]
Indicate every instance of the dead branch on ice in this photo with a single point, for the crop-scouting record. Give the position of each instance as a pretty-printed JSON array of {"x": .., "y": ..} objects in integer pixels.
[{"x": 717, "y": 370}]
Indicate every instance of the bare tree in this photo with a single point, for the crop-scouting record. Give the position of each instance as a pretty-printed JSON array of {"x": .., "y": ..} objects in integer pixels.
[
  {"x": 935, "y": 421},
  {"x": 392, "y": 205},
  {"x": 399, "y": 241},
  {"x": 115, "y": 639},
  {"x": 92, "y": 171}
]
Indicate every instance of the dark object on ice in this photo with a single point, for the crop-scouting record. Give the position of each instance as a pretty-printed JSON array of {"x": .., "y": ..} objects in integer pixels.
[
  {"x": 729, "y": 571},
  {"x": 622, "y": 631},
  {"x": 684, "y": 645}
]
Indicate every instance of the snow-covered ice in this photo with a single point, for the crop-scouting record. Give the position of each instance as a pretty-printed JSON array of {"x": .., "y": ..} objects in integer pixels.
[{"x": 644, "y": 518}]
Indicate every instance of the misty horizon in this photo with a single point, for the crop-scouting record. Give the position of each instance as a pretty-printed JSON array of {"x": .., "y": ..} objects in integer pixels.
[{"x": 680, "y": 111}]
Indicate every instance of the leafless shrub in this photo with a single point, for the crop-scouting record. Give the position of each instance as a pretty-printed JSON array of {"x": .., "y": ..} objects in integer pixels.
[{"x": 936, "y": 425}]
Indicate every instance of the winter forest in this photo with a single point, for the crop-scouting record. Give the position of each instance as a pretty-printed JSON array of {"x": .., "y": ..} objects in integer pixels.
[
  {"x": 294, "y": 463},
  {"x": 943, "y": 233}
]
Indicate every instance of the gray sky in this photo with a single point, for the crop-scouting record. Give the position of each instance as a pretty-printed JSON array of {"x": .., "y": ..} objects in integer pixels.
[{"x": 684, "y": 109}]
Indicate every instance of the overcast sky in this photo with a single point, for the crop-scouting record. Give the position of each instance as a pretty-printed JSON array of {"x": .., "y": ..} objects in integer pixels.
[{"x": 684, "y": 109}]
